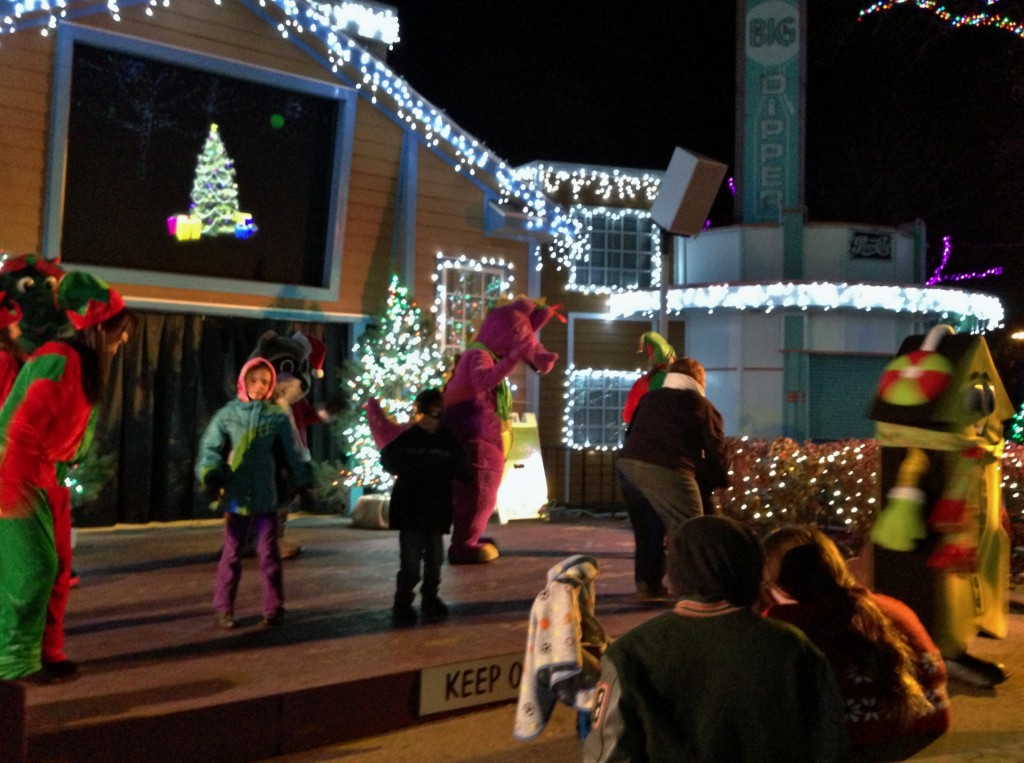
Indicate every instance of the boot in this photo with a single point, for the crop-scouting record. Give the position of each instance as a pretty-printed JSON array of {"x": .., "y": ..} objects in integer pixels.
[
  {"x": 402, "y": 613},
  {"x": 433, "y": 608}
]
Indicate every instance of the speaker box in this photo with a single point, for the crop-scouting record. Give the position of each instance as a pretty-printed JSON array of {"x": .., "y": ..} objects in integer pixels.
[{"x": 687, "y": 191}]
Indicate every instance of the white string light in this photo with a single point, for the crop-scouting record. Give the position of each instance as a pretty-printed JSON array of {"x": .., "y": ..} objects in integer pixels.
[
  {"x": 985, "y": 310},
  {"x": 444, "y": 263},
  {"x": 573, "y": 377},
  {"x": 373, "y": 79},
  {"x": 580, "y": 255}
]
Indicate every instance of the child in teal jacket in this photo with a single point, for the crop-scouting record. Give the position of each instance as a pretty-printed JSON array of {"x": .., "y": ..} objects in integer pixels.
[{"x": 257, "y": 435}]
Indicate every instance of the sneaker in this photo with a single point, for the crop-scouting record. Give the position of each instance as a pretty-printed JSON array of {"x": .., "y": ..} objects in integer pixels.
[
  {"x": 976, "y": 672},
  {"x": 226, "y": 620},
  {"x": 290, "y": 550},
  {"x": 403, "y": 616},
  {"x": 434, "y": 609},
  {"x": 274, "y": 620}
]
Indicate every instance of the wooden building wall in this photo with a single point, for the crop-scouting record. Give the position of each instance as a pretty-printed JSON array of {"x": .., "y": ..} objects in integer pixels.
[
  {"x": 449, "y": 205},
  {"x": 25, "y": 74},
  {"x": 577, "y": 477}
]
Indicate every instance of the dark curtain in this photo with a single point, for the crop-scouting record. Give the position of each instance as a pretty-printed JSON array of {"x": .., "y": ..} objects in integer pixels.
[{"x": 164, "y": 387}]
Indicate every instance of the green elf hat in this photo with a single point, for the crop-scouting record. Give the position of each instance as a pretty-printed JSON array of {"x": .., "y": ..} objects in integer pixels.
[{"x": 87, "y": 300}]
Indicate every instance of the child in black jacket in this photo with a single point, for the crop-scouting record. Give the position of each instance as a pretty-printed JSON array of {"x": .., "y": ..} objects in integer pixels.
[{"x": 424, "y": 459}]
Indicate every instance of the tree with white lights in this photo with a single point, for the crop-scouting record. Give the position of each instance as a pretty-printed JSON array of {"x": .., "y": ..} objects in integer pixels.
[
  {"x": 392, "y": 361},
  {"x": 214, "y": 190},
  {"x": 1017, "y": 426}
]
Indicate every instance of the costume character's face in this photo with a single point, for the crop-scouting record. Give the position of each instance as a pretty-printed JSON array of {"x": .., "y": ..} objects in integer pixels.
[
  {"x": 290, "y": 388},
  {"x": 978, "y": 404},
  {"x": 289, "y": 355},
  {"x": 31, "y": 282},
  {"x": 946, "y": 382},
  {"x": 515, "y": 325}
]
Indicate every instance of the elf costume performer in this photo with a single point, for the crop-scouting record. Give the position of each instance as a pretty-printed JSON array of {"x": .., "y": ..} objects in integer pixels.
[
  {"x": 660, "y": 355},
  {"x": 31, "y": 282},
  {"x": 477, "y": 408},
  {"x": 939, "y": 541},
  {"x": 46, "y": 422}
]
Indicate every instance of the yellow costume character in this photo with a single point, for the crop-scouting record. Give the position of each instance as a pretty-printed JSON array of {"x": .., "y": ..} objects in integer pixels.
[{"x": 940, "y": 545}]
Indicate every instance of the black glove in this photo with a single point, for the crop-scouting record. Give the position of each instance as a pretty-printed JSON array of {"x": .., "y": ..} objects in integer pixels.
[
  {"x": 213, "y": 484},
  {"x": 336, "y": 404}
]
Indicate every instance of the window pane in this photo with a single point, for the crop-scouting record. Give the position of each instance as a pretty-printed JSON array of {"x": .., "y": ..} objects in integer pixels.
[
  {"x": 470, "y": 290},
  {"x": 596, "y": 411},
  {"x": 610, "y": 238}
]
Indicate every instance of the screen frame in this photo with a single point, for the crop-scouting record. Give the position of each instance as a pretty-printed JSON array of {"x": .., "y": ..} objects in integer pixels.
[{"x": 68, "y": 35}]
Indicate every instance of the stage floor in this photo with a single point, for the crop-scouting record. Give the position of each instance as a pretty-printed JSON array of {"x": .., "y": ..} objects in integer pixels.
[
  {"x": 141, "y": 625},
  {"x": 161, "y": 682}
]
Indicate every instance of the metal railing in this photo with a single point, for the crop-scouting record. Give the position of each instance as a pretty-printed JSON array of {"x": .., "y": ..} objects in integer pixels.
[{"x": 582, "y": 479}]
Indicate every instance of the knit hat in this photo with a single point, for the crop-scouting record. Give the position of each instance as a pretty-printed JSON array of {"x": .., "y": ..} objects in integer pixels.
[
  {"x": 429, "y": 402},
  {"x": 87, "y": 300},
  {"x": 714, "y": 558},
  {"x": 9, "y": 311}
]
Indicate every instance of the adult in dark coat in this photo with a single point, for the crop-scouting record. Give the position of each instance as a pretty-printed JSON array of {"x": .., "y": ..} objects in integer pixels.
[{"x": 674, "y": 455}]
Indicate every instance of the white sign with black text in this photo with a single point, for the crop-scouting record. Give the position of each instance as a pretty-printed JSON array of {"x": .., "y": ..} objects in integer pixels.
[{"x": 465, "y": 684}]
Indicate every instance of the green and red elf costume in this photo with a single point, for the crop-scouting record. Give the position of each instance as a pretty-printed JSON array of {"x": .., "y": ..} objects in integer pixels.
[
  {"x": 46, "y": 422},
  {"x": 660, "y": 355}
]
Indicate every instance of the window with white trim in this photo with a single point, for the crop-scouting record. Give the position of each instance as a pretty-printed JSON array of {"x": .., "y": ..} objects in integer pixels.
[
  {"x": 466, "y": 290},
  {"x": 622, "y": 251},
  {"x": 594, "y": 400}
]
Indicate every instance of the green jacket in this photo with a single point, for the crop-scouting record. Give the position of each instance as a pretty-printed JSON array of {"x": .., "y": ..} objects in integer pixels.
[{"x": 715, "y": 682}]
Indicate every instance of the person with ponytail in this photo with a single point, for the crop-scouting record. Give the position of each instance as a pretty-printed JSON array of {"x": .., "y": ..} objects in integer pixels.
[
  {"x": 46, "y": 422},
  {"x": 890, "y": 673}
]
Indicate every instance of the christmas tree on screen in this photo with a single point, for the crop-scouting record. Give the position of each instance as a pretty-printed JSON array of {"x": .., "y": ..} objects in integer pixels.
[
  {"x": 214, "y": 190},
  {"x": 392, "y": 361}
]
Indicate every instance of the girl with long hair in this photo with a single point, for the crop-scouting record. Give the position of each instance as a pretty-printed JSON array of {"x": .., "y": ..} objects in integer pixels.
[{"x": 890, "y": 672}]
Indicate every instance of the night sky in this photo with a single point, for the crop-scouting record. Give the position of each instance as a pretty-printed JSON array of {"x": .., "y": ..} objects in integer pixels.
[{"x": 907, "y": 117}]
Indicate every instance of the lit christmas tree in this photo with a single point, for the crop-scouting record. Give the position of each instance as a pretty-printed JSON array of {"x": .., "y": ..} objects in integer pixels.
[
  {"x": 1016, "y": 433},
  {"x": 214, "y": 190},
  {"x": 395, "y": 359}
]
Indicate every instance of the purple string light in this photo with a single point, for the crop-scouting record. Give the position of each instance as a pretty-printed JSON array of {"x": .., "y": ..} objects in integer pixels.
[{"x": 938, "y": 277}]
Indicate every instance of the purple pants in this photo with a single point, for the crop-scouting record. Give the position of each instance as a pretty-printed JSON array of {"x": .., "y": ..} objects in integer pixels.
[{"x": 229, "y": 571}]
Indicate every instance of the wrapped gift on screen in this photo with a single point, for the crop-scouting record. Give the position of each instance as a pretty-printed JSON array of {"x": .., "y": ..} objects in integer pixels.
[
  {"x": 185, "y": 227},
  {"x": 244, "y": 226}
]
